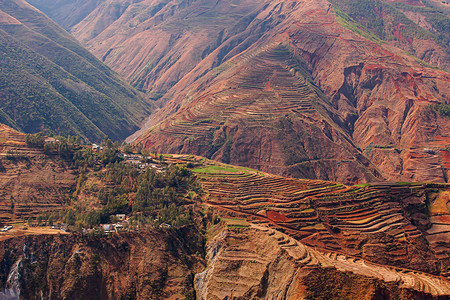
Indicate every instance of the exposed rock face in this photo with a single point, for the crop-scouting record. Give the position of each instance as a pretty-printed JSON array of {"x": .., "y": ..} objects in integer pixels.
[
  {"x": 261, "y": 263},
  {"x": 146, "y": 265}
]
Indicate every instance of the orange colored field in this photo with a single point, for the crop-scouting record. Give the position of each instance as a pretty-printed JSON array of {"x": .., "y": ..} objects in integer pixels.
[{"x": 22, "y": 231}]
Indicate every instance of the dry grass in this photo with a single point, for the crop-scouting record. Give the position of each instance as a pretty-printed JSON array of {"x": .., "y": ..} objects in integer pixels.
[
  {"x": 23, "y": 230},
  {"x": 441, "y": 205}
]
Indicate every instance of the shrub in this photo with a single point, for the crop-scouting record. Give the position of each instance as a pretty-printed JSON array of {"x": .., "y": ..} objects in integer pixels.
[{"x": 443, "y": 109}]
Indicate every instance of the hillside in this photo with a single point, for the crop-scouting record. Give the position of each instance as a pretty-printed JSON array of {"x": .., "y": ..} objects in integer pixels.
[
  {"x": 421, "y": 28},
  {"x": 50, "y": 82},
  {"x": 306, "y": 89},
  {"x": 311, "y": 99},
  {"x": 198, "y": 228},
  {"x": 67, "y": 13},
  {"x": 396, "y": 224},
  {"x": 112, "y": 30}
]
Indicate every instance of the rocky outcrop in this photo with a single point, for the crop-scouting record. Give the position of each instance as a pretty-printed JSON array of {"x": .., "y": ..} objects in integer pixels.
[
  {"x": 145, "y": 265},
  {"x": 261, "y": 263}
]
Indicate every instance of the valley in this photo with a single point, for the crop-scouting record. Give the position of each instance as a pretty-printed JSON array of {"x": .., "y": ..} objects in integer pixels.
[{"x": 194, "y": 149}]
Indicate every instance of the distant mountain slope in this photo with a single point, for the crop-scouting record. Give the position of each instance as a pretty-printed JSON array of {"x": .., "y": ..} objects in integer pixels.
[
  {"x": 50, "y": 82},
  {"x": 263, "y": 111},
  {"x": 154, "y": 43},
  {"x": 66, "y": 13},
  {"x": 332, "y": 101},
  {"x": 179, "y": 34},
  {"x": 416, "y": 26}
]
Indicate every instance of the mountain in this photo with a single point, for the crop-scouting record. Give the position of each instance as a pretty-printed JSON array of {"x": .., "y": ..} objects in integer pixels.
[
  {"x": 50, "y": 82},
  {"x": 307, "y": 89}
]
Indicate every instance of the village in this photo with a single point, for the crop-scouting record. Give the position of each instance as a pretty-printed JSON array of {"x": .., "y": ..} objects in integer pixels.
[{"x": 30, "y": 146}]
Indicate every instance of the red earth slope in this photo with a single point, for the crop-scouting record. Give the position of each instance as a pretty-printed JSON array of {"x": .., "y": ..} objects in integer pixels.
[{"x": 370, "y": 92}]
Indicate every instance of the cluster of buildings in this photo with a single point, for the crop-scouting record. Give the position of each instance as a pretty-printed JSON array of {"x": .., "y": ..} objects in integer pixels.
[
  {"x": 143, "y": 162},
  {"x": 115, "y": 227},
  {"x": 60, "y": 226},
  {"x": 96, "y": 147}
]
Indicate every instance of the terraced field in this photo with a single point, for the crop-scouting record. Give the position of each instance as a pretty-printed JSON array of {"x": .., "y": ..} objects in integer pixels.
[
  {"x": 385, "y": 223},
  {"x": 259, "y": 252},
  {"x": 263, "y": 111},
  {"x": 265, "y": 85},
  {"x": 30, "y": 182}
]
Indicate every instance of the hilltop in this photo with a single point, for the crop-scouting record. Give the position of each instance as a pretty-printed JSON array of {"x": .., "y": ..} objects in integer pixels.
[{"x": 51, "y": 83}]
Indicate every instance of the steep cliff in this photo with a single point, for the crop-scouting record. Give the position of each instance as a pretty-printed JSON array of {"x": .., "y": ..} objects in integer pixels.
[
  {"x": 145, "y": 265},
  {"x": 259, "y": 263}
]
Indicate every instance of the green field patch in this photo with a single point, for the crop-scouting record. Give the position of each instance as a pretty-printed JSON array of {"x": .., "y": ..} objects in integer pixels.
[
  {"x": 236, "y": 222},
  {"x": 361, "y": 185},
  {"x": 216, "y": 170},
  {"x": 346, "y": 21}
]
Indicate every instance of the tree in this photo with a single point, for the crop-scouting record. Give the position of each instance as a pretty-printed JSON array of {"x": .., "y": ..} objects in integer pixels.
[
  {"x": 35, "y": 140},
  {"x": 12, "y": 204},
  {"x": 92, "y": 218},
  {"x": 127, "y": 148},
  {"x": 69, "y": 217},
  {"x": 39, "y": 219}
]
